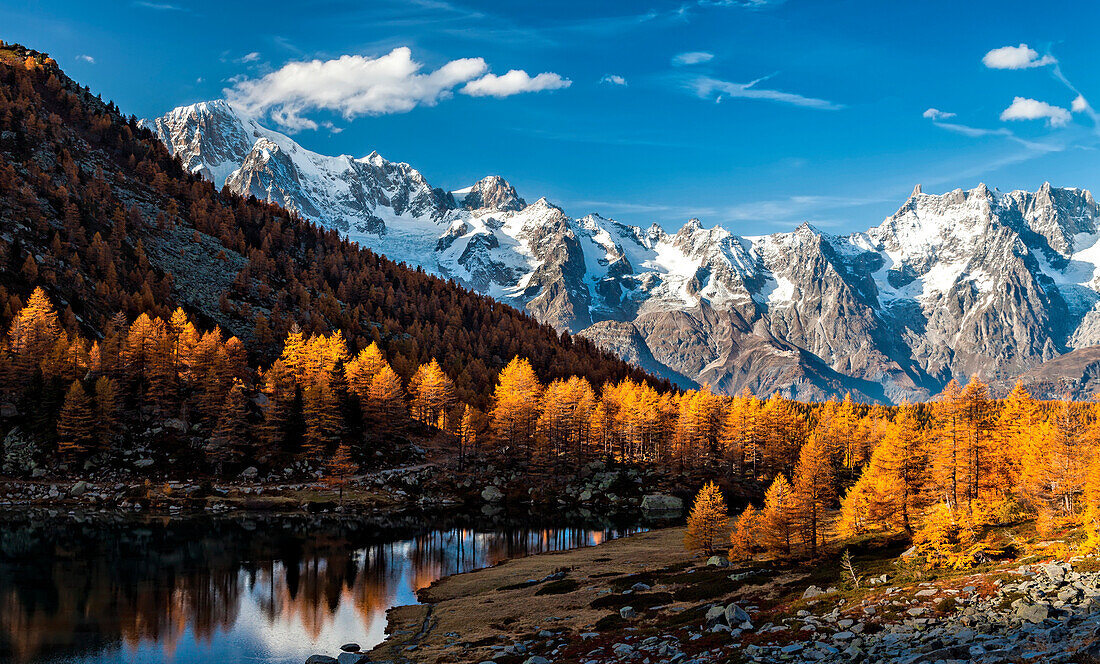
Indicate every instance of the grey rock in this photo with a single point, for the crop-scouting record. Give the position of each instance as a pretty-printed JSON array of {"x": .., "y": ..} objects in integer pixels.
[
  {"x": 492, "y": 494},
  {"x": 1032, "y": 613},
  {"x": 350, "y": 647},
  {"x": 811, "y": 592},
  {"x": 78, "y": 489},
  {"x": 717, "y": 561},
  {"x": 628, "y": 613},
  {"x": 661, "y": 503},
  {"x": 735, "y": 615},
  {"x": 352, "y": 658},
  {"x": 321, "y": 659}
]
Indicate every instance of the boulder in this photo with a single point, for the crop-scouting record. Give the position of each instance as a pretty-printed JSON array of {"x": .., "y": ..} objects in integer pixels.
[
  {"x": 143, "y": 463},
  {"x": 811, "y": 592},
  {"x": 352, "y": 658},
  {"x": 350, "y": 647},
  {"x": 657, "y": 502},
  {"x": 20, "y": 451},
  {"x": 250, "y": 473},
  {"x": 1032, "y": 613},
  {"x": 321, "y": 659},
  {"x": 491, "y": 494},
  {"x": 1055, "y": 571},
  {"x": 715, "y": 615},
  {"x": 735, "y": 615},
  {"x": 536, "y": 659},
  {"x": 78, "y": 489},
  {"x": 628, "y": 613},
  {"x": 717, "y": 561}
]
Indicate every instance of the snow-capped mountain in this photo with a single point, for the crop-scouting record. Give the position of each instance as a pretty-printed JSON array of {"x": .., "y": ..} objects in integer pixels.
[{"x": 951, "y": 285}]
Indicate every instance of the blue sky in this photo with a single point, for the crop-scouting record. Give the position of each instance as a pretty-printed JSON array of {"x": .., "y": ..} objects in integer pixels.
[{"x": 755, "y": 115}]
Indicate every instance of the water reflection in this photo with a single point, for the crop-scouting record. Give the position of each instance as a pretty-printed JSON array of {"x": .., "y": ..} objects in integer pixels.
[{"x": 263, "y": 589}]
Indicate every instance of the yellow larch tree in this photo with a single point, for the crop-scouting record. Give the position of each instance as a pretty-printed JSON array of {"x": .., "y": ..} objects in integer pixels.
[
  {"x": 708, "y": 522},
  {"x": 814, "y": 491},
  {"x": 516, "y": 401},
  {"x": 776, "y": 517}
]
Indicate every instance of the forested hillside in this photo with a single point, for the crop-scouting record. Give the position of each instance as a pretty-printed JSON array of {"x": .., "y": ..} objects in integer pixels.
[{"x": 97, "y": 212}]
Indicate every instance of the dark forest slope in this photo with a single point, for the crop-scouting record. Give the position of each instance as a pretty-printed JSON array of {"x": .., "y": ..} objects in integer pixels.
[{"x": 95, "y": 210}]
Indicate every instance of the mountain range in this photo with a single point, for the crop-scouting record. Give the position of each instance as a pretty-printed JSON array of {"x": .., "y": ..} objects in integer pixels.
[{"x": 952, "y": 285}]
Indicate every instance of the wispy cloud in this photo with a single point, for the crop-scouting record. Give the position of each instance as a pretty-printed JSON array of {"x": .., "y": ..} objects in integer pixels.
[
  {"x": 708, "y": 88},
  {"x": 250, "y": 57},
  {"x": 1023, "y": 108},
  {"x": 159, "y": 6},
  {"x": 356, "y": 85},
  {"x": 86, "y": 58},
  {"x": 691, "y": 58},
  {"x": 613, "y": 79},
  {"x": 1016, "y": 57},
  {"x": 746, "y": 4}
]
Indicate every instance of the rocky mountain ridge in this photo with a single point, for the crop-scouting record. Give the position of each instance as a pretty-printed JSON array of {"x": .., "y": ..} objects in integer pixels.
[{"x": 967, "y": 282}]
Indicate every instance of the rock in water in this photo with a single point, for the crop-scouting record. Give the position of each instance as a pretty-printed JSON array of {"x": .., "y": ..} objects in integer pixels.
[
  {"x": 321, "y": 659},
  {"x": 350, "y": 647},
  {"x": 491, "y": 494},
  {"x": 661, "y": 503}
]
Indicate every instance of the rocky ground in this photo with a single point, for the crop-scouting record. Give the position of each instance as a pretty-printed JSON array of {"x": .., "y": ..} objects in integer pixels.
[
  {"x": 643, "y": 599},
  {"x": 477, "y": 487}
]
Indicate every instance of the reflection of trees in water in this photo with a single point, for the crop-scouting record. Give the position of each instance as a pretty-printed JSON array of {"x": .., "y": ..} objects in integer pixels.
[{"x": 69, "y": 590}]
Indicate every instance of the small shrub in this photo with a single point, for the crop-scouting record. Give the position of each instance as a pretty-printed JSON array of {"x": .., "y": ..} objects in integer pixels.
[{"x": 559, "y": 587}]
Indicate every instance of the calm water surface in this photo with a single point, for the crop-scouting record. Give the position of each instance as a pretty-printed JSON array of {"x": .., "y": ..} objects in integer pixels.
[{"x": 92, "y": 589}]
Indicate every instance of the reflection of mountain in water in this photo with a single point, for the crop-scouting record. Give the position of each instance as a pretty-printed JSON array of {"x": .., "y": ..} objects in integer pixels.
[{"x": 189, "y": 590}]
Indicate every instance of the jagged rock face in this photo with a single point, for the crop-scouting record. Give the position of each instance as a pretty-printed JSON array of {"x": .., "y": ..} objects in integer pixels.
[
  {"x": 967, "y": 282},
  {"x": 493, "y": 193}
]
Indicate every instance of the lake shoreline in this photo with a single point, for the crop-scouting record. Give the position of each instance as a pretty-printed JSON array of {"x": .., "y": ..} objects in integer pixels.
[{"x": 510, "y": 600}]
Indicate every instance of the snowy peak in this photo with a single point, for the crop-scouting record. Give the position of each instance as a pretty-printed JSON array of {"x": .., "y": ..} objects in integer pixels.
[
  {"x": 963, "y": 282},
  {"x": 493, "y": 193}
]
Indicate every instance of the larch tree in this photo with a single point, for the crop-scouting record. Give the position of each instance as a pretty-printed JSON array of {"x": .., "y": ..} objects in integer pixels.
[
  {"x": 516, "y": 402},
  {"x": 385, "y": 400},
  {"x": 777, "y": 516},
  {"x": 231, "y": 434},
  {"x": 708, "y": 522},
  {"x": 339, "y": 469},
  {"x": 899, "y": 465},
  {"x": 106, "y": 411},
  {"x": 745, "y": 537},
  {"x": 433, "y": 394},
  {"x": 814, "y": 491},
  {"x": 32, "y": 334},
  {"x": 75, "y": 423}
]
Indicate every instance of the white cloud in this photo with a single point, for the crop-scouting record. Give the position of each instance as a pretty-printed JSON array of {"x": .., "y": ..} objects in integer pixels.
[
  {"x": 613, "y": 79},
  {"x": 1023, "y": 108},
  {"x": 705, "y": 87},
  {"x": 937, "y": 114},
  {"x": 1016, "y": 57},
  {"x": 356, "y": 85},
  {"x": 513, "y": 83},
  {"x": 86, "y": 58},
  {"x": 691, "y": 58},
  {"x": 1080, "y": 104},
  {"x": 251, "y": 57}
]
